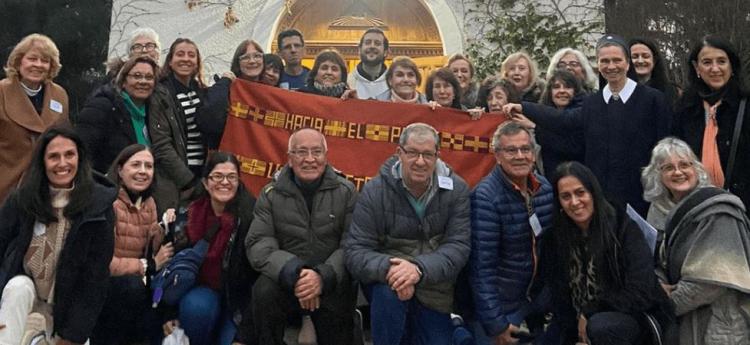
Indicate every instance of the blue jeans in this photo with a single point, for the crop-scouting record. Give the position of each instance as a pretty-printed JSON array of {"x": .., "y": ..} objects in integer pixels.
[
  {"x": 409, "y": 322},
  {"x": 204, "y": 320}
]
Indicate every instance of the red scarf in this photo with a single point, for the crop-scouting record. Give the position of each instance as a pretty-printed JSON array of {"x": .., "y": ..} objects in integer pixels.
[{"x": 200, "y": 218}]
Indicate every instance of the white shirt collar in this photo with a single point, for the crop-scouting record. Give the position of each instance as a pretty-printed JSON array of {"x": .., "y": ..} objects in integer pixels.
[{"x": 625, "y": 93}]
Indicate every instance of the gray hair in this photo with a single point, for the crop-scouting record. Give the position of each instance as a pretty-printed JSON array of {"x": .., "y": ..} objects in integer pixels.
[
  {"x": 653, "y": 187},
  {"x": 591, "y": 77},
  {"x": 421, "y": 130},
  {"x": 509, "y": 128},
  {"x": 291, "y": 138},
  {"x": 144, "y": 32}
]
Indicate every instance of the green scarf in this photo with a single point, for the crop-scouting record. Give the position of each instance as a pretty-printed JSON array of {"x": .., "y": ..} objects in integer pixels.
[{"x": 137, "y": 117}]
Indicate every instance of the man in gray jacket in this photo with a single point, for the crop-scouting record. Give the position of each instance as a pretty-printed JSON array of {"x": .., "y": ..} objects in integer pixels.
[
  {"x": 408, "y": 240},
  {"x": 301, "y": 218}
]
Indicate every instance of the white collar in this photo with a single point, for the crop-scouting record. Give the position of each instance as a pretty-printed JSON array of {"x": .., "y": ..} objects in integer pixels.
[{"x": 625, "y": 93}]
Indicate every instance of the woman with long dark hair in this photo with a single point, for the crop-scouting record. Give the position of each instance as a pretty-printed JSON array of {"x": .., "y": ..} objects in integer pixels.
[
  {"x": 597, "y": 265},
  {"x": 214, "y": 310},
  {"x": 710, "y": 118},
  {"x": 56, "y": 242},
  {"x": 651, "y": 68}
]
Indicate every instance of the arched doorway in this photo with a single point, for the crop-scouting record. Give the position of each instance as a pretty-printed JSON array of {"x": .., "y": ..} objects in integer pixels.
[{"x": 409, "y": 25}]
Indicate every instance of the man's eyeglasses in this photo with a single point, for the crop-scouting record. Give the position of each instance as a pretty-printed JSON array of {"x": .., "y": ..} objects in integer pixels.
[
  {"x": 511, "y": 150},
  {"x": 304, "y": 153},
  {"x": 412, "y": 154},
  {"x": 571, "y": 64},
  {"x": 139, "y": 77},
  {"x": 218, "y": 178},
  {"x": 143, "y": 47}
]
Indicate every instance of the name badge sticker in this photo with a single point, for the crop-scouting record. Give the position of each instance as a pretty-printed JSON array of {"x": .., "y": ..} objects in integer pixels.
[
  {"x": 39, "y": 229},
  {"x": 56, "y": 106},
  {"x": 445, "y": 182},
  {"x": 535, "y": 224}
]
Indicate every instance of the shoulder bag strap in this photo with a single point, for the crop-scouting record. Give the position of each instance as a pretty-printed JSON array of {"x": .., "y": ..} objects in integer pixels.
[
  {"x": 735, "y": 142},
  {"x": 209, "y": 236}
]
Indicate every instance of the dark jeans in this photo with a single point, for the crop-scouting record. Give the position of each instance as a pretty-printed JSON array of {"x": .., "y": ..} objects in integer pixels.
[
  {"x": 127, "y": 315},
  {"x": 271, "y": 307},
  {"x": 613, "y": 328},
  {"x": 405, "y": 322},
  {"x": 204, "y": 319}
]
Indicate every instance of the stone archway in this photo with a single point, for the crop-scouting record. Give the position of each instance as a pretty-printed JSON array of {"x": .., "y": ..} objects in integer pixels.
[{"x": 446, "y": 30}]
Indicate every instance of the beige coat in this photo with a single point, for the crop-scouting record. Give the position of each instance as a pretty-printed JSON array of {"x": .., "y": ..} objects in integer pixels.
[
  {"x": 21, "y": 125},
  {"x": 134, "y": 228}
]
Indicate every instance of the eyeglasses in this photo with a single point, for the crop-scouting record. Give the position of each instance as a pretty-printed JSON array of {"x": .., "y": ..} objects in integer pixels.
[
  {"x": 571, "y": 64},
  {"x": 671, "y": 168},
  {"x": 511, "y": 150},
  {"x": 139, "y": 77},
  {"x": 141, "y": 47},
  {"x": 218, "y": 178},
  {"x": 411, "y": 154},
  {"x": 304, "y": 153},
  {"x": 251, "y": 56}
]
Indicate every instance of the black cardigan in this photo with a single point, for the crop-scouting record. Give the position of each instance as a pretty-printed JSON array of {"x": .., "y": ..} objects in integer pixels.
[
  {"x": 690, "y": 123},
  {"x": 83, "y": 267}
]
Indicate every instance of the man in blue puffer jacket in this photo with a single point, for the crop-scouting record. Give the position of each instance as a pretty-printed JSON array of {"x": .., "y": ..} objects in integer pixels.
[{"x": 510, "y": 208}]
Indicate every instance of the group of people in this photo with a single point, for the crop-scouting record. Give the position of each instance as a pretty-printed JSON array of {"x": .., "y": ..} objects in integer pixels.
[{"x": 549, "y": 247}]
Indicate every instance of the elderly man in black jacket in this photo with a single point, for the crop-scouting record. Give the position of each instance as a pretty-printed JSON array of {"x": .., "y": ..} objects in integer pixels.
[
  {"x": 408, "y": 241},
  {"x": 294, "y": 241}
]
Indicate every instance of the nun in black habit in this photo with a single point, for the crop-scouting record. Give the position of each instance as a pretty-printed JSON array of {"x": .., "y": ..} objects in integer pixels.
[{"x": 620, "y": 123}]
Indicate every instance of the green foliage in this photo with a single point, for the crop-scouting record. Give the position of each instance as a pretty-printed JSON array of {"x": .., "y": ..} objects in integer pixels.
[{"x": 509, "y": 26}]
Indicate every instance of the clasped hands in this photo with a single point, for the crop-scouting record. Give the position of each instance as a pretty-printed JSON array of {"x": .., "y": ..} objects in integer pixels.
[
  {"x": 402, "y": 277},
  {"x": 308, "y": 289}
]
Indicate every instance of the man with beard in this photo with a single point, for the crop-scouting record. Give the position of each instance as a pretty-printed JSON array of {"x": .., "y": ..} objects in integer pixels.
[{"x": 369, "y": 76}]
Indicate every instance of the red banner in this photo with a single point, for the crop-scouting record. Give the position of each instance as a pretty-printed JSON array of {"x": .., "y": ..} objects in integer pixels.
[{"x": 361, "y": 134}]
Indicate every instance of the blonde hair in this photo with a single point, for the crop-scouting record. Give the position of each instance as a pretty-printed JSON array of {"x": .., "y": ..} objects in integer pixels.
[
  {"x": 512, "y": 58},
  {"x": 45, "y": 45}
]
